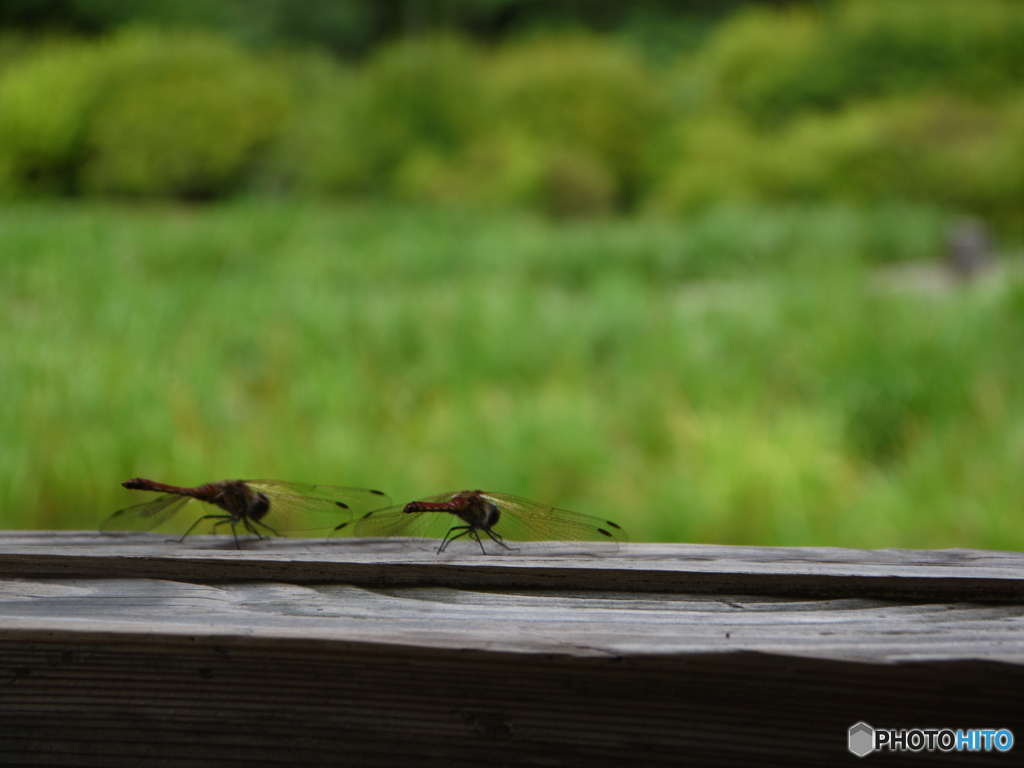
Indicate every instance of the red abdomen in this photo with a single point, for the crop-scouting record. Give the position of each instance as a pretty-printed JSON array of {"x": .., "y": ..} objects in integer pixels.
[{"x": 202, "y": 492}]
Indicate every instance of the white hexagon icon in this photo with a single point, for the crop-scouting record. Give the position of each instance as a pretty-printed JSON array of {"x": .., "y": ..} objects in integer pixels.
[{"x": 862, "y": 739}]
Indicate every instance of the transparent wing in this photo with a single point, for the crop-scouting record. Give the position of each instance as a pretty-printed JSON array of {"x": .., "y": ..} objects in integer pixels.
[
  {"x": 301, "y": 515},
  {"x": 145, "y": 517},
  {"x": 392, "y": 521},
  {"x": 356, "y": 499},
  {"x": 312, "y": 509},
  {"x": 523, "y": 520}
]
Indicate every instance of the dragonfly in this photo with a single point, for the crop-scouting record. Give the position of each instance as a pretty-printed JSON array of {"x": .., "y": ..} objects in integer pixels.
[
  {"x": 258, "y": 506},
  {"x": 496, "y": 517}
]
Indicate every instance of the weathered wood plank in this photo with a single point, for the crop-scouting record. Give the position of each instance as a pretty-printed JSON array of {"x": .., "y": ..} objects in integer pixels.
[
  {"x": 946, "y": 575},
  {"x": 181, "y": 704},
  {"x": 582, "y": 624},
  {"x": 115, "y": 652}
]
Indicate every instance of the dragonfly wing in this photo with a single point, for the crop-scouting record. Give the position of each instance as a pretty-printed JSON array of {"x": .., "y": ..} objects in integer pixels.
[
  {"x": 393, "y": 521},
  {"x": 145, "y": 517},
  {"x": 356, "y": 499},
  {"x": 301, "y": 514},
  {"x": 527, "y": 521}
]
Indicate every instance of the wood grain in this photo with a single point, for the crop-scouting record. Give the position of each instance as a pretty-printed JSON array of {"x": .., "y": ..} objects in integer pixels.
[
  {"x": 956, "y": 574},
  {"x": 571, "y": 624},
  {"x": 129, "y": 650},
  {"x": 180, "y": 703}
]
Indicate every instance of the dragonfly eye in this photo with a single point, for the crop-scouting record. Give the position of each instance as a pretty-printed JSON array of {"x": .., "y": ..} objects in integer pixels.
[{"x": 259, "y": 507}]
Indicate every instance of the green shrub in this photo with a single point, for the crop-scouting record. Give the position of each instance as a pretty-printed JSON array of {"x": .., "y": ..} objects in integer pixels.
[
  {"x": 511, "y": 170},
  {"x": 967, "y": 156},
  {"x": 941, "y": 149},
  {"x": 768, "y": 64},
  {"x": 144, "y": 112},
  {"x": 707, "y": 160},
  {"x": 181, "y": 115},
  {"x": 976, "y": 160},
  {"x": 45, "y": 103},
  {"x": 321, "y": 148},
  {"x": 501, "y": 170},
  {"x": 574, "y": 184},
  {"x": 558, "y": 124},
  {"x": 422, "y": 95},
  {"x": 900, "y": 46},
  {"x": 774, "y": 64},
  {"x": 780, "y": 105},
  {"x": 15, "y": 46},
  {"x": 589, "y": 99}
]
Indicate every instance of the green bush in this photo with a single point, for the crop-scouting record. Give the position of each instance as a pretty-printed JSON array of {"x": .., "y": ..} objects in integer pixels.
[
  {"x": 322, "y": 147},
  {"x": 512, "y": 170},
  {"x": 45, "y": 103},
  {"x": 558, "y": 124},
  {"x": 864, "y": 100},
  {"x": 181, "y": 115},
  {"x": 705, "y": 160},
  {"x": 967, "y": 156},
  {"x": 497, "y": 170},
  {"x": 144, "y": 112},
  {"x": 593, "y": 101},
  {"x": 766, "y": 63},
  {"x": 774, "y": 64},
  {"x": 422, "y": 95},
  {"x": 900, "y": 46},
  {"x": 14, "y": 47}
]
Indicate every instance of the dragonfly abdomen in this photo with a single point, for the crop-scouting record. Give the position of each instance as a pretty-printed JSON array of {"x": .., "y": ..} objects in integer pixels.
[
  {"x": 142, "y": 484},
  {"x": 454, "y": 505}
]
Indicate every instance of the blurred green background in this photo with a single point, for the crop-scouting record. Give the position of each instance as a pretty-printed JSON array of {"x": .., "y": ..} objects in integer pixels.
[{"x": 738, "y": 272}]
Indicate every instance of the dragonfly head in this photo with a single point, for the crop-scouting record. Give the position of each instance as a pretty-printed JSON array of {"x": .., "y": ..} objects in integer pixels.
[
  {"x": 259, "y": 507},
  {"x": 492, "y": 514}
]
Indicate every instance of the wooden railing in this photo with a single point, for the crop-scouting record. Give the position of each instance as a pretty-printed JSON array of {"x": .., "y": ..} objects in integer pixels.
[{"x": 130, "y": 650}]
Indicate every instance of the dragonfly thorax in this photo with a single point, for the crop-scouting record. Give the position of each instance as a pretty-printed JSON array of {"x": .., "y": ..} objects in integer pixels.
[
  {"x": 240, "y": 501},
  {"x": 480, "y": 513}
]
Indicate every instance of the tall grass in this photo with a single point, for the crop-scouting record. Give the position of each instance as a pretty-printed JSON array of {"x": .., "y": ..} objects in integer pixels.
[{"x": 737, "y": 378}]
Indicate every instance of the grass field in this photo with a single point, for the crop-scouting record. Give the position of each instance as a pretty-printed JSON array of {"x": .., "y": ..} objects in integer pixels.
[{"x": 741, "y": 377}]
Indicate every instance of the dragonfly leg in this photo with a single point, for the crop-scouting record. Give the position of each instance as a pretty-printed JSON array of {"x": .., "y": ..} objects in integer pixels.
[
  {"x": 247, "y": 523},
  {"x": 464, "y": 528},
  {"x": 226, "y": 520},
  {"x": 476, "y": 535},
  {"x": 221, "y": 518},
  {"x": 250, "y": 525},
  {"x": 263, "y": 525},
  {"x": 498, "y": 539}
]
